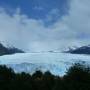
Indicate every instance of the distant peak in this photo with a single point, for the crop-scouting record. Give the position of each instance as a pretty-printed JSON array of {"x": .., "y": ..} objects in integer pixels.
[
  {"x": 9, "y": 50},
  {"x": 79, "y": 50}
]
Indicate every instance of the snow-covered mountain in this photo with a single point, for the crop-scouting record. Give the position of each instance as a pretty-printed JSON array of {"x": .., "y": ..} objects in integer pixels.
[
  {"x": 9, "y": 50},
  {"x": 56, "y": 63},
  {"x": 80, "y": 50}
]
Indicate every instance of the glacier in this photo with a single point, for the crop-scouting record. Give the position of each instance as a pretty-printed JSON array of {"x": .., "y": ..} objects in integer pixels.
[{"x": 56, "y": 63}]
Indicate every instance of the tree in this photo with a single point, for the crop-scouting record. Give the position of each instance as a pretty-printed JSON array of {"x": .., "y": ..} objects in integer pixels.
[{"x": 78, "y": 77}]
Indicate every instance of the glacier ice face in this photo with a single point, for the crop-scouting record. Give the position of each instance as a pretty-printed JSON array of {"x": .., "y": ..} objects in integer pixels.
[
  {"x": 56, "y": 63},
  {"x": 31, "y": 68}
]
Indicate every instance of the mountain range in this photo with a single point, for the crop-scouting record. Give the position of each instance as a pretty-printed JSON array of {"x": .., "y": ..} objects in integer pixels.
[
  {"x": 79, "y": 50},
  {"x": 9, "y": 50}
]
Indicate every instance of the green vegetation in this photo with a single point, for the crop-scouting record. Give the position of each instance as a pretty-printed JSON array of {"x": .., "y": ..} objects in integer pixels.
[{"x": 77, "y": 78}]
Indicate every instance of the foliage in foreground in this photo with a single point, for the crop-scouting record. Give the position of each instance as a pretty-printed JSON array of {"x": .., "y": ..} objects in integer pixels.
[{"x": 76, "y": 78}]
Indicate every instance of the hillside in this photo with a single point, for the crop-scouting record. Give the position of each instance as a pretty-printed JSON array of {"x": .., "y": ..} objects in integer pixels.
[
  {"x": 9, "y": 50},
  {"x": 80, "y": 50}
]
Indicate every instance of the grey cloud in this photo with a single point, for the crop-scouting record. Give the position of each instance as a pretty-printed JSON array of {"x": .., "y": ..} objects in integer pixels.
[{"x": 32, "y": 35}]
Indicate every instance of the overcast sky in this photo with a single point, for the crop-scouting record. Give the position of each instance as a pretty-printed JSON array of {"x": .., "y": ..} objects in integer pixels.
[{"x": 43, "y": 25}]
